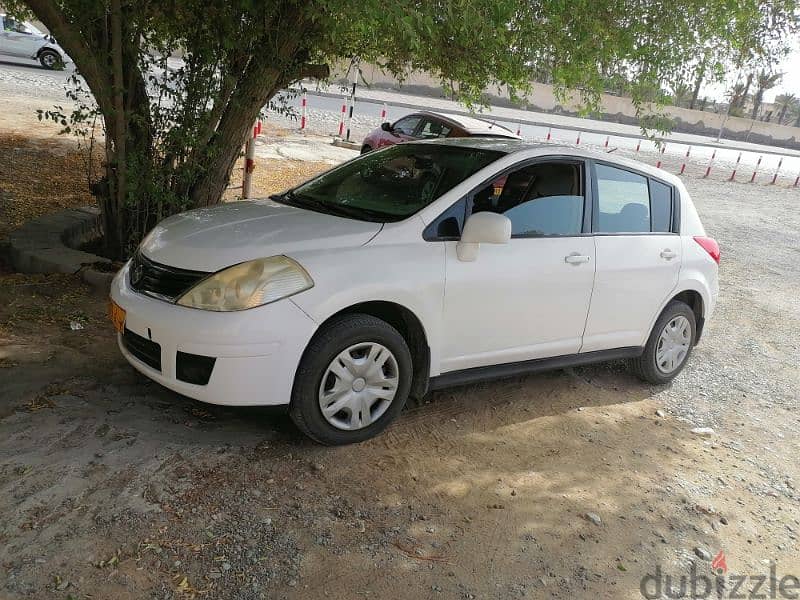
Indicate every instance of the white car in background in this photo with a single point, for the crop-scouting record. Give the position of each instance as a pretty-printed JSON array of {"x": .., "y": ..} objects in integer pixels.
[
  {"x": 415, "y": 267},
  {"x": 23, "y": 40}
]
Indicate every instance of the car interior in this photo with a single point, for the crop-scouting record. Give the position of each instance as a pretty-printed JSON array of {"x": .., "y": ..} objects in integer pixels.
[{"x": 542, "y": 199}]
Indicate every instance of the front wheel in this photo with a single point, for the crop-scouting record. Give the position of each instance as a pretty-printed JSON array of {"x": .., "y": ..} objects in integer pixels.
[
  {"x": 366, "y": 148},
  {"x": 669, "y": 345},
  {"x": 353, "y": 380},
  {"x": 50, "y": 59}
]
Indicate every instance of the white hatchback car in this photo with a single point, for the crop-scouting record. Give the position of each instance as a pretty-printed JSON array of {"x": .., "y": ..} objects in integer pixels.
[
  {"x": 23, "y": 40},
  {"x": 416, "y": 267}
]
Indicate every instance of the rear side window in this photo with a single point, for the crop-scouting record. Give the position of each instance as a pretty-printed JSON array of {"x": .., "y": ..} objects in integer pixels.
[
  {"x": 540, "y": 199},
  {"x": 432, "y": 129},
  {"x": 660, "y": 206},
  {"x": 631, "y": 203}
]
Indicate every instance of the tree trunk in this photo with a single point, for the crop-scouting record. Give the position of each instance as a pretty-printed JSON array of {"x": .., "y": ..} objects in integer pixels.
[{"x": 697, "y": 84}]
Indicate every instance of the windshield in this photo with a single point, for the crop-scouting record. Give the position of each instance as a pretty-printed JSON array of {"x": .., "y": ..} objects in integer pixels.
[{"x": 391, "y": 184}]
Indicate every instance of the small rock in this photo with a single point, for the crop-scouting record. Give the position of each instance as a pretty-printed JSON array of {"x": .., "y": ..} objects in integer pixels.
[
  {"x": 660, "y": 413},
  {"x": 292, "y": 583},
  {"x": 723, "y": 520},
  {"x": 317, "y": 467},
  {"x": 703, "y": 431},
  {"x": 226, "y": 566},
  {"x": 702, "y": 553},
  {"x": 62, "y": 586},
  {"x": 593, "y": 518}
]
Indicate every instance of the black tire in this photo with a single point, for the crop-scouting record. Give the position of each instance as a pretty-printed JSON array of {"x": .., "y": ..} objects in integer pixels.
[
  {"x": 339, "y": 334},
  {"x": 645, "y": 367},
  {"x": 50, "y": 59},
  {"x": 366, "y": 148}
]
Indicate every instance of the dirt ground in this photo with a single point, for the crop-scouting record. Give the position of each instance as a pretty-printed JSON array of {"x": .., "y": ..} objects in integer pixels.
[{"x": 571, "y": 484}]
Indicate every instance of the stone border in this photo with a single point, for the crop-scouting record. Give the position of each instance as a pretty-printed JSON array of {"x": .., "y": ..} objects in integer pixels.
[{"x": 47, "y": 245}]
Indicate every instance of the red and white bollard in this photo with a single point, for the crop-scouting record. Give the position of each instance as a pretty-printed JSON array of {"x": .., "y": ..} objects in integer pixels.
[
  {"x": 383, "y": 113},
  {"x": 710, "y": 162},
  {"x": 639, "y": 145},
  {"x": 778, "y": 170},
  {"x": 606, "y": 144},
  {"x": 736, "y": 166},
  {"x": 663, "y": 148},
  {"x": 303, "y": 108},
  {"x": 755, "y": 171},
  {"x": 249, "y": 163},
  {"x": 549, "y": 133},
  {"x": 685, "y": 158},
  {"x": 341, "y": 118}
]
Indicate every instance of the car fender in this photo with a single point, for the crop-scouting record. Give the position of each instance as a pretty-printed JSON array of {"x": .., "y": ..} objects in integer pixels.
[{"x": 410, "y": 275}]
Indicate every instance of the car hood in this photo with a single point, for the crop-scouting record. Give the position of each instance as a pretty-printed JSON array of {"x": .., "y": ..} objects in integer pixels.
[{"x": 209, "y": 239}]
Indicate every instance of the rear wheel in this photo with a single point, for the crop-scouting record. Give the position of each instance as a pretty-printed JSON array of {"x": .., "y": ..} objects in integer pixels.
[
  {"x": 50, "y": 59},
  {"x": 366, "y": 148},
  {"x": 669, "y": 345},
  {"x": 353, "y": 380}
]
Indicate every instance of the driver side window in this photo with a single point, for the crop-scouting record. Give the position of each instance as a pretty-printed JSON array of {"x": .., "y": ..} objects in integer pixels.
[
  {"x": 407, "y": 125},
  {"x": 542, "y": 199}
]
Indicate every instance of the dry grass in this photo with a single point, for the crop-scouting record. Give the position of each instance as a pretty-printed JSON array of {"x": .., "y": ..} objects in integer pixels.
[
  {"x": 273, "y": 176},
  {"x": 39, "y": 176}
]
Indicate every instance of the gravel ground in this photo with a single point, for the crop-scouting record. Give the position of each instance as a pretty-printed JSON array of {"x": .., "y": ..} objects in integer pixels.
[{"x": 571, "y": 484}]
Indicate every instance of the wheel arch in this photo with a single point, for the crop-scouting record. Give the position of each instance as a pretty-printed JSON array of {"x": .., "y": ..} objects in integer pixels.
[{"x": 408, "y": 325}]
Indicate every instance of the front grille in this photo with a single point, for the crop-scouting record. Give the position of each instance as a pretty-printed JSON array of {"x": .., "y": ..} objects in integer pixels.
[
  {"x": 154, "y": 279},
  {"x": 143, "y": 349},
  {"x": 194, "y": 368}
]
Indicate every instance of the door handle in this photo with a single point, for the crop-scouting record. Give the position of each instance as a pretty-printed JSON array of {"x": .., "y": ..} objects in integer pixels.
[
  {"x": 576, "y": 259},
  {"x": 668, "y": 254}
]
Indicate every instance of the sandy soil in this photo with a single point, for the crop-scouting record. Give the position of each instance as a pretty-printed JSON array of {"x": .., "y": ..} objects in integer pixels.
[{"x": 112, "y": 487}]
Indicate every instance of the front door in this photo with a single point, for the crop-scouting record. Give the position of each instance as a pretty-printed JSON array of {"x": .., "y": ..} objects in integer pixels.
[{"x": 529, "y": 298}]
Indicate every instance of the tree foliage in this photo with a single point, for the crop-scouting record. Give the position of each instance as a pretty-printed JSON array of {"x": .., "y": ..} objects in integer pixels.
[{"x": 172, "y": 136}]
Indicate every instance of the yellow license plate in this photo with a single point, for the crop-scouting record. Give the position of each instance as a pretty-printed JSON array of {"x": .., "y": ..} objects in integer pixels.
[{"x": 117, "y": 315}]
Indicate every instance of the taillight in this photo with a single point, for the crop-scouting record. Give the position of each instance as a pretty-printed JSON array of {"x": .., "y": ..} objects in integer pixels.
[{"x": 710, "y": 245}]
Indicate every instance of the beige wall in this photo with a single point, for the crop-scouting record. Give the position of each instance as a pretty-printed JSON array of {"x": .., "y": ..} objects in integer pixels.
[{"x": 614, "y": 108}]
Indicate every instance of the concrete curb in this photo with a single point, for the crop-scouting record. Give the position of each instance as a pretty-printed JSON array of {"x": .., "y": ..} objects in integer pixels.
[
  {"x": 339, "y": 142},
  {"x": 47, "y": 245}
]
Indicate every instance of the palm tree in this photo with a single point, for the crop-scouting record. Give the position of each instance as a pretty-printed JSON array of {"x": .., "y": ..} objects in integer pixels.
[
  {"x": 764, "y": 81},
  {"x": 786, "y": 103},
  {"x": 681, "y": 94}
]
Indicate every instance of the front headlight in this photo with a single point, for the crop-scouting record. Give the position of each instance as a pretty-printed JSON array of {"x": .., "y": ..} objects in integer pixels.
[{"x": 248, "y": 285}]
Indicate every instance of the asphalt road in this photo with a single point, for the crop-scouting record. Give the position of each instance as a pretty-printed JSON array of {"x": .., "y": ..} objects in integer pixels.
[{"x": 20, "y": 77}]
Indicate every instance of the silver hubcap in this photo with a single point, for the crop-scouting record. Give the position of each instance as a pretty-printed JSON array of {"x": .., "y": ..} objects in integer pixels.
[
  {"x": 49, "y": 60},
  {"x": 673, "y": 345},
  {"x": 358, "y": 386}
]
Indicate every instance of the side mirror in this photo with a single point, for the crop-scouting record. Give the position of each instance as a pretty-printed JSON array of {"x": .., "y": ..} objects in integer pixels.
[
  {"x": 386, "y": 126},
  {"x": 482, "y": 228}
]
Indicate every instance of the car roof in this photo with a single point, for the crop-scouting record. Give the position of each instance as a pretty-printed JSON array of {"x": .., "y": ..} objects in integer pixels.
[
  {"x": 472, "y": 125},
  {"x": 534, "y": 149}
]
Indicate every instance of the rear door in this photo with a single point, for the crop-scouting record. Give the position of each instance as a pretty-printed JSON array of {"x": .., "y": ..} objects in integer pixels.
[
  {"x": 638, "y": 256},
  {"x": 431, "y": 128}
]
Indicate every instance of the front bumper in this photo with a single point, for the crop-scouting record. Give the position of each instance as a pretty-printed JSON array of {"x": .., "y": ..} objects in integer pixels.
[{"x": 257, "y": 351}]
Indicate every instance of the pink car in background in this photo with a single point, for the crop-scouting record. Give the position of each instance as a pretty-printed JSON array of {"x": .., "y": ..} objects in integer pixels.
[{"x": 432, "y": 125}]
